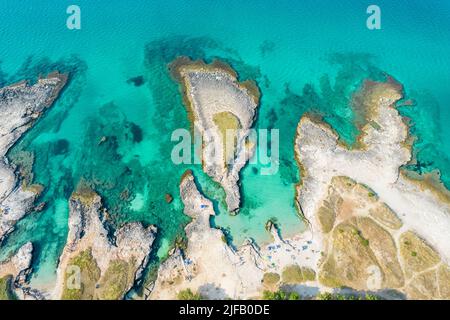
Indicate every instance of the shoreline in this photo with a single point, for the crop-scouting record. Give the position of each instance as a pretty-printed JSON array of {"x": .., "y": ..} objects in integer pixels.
[
  {"x": 367, "y": 177},
  {"x": 375, "y": 166},
  {"x": 27, "y": 103}
]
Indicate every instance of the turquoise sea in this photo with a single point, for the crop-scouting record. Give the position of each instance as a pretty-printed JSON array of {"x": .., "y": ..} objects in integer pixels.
[{"x": 305, "y": 55}]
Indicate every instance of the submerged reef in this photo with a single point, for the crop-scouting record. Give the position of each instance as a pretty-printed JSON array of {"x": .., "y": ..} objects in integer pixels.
[{"x": 136, "y": 81}]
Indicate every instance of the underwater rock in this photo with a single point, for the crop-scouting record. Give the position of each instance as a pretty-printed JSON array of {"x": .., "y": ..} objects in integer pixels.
[
  {"x": 168, "y": 197},
  {"x": 136, "y": 132},
  {"x": 267, "y": 47},
  {"x": 61, "y": 147},
  {"x": 136, "y": 81}
]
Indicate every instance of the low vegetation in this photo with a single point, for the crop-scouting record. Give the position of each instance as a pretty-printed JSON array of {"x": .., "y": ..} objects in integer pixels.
[
  {"x": 6, "y": 291},
  {"x": 294, "y": 274},
  {"x": 187, "y": 294},
  {"x": 339, "y": 296},
  {"x": 416, "y": 253},
  {"x": 116, "y": 281},
  {"x": 271, "y": 279},
  {"x": 227, "y": 121},
  {"x": 90, "y": 274},
  {"x": 84, "y": 193},
  {"x": 280, "y": 295}
]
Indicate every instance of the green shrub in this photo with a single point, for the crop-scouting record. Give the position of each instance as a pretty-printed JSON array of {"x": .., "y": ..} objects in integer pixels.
[
  {"x": 340, "y": 296},
  {"x": 274, "y": 295},
  {"x": 187, "y": 294},
  {"x": 280, "y": 295},
  {"x": 294, "y": 296},
  {"x": 90, "y": 274},
  {"x": 371, "y": 297},
  {"x": 325, "y": 296}
]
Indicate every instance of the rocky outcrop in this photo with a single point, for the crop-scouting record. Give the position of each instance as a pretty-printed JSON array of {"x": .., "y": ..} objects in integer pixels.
[
  {"x": 15, "y": 271},
  {"x": 361, "y": 206},
  {"x": 222, "y": 111},
  {"x": 208, "y": 264},
  {"x": 95, "y": 264},
  {"x": 21, "y": 105},
  {"x": 19, "y": 262}
]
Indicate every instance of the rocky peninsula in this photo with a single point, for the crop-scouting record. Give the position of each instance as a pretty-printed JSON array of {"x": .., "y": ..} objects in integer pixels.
[
  {"x": 21, "y": 105},
  {"x": 379, "y": 230},
  {"x": 222, "y": 110},
  {"x": 207, "y": 264},
  {"x": 96, "y": 264}
]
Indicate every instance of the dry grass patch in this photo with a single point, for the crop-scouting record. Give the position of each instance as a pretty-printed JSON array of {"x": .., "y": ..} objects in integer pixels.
[
  {"x": 383, "y": 247},
  {"x": 349, "y": 261},
  {"x": 326, "y": 217},
  {"x": 443, "y": 274},
  {"x": 384, "y": 215},
  {"x": 90, "y": 274},
  {"x": 117, "y": 280},
  {"x": 294, "y": 274},
  {"x": 228, "y": 124},
  {"x": 416, "y": 253},
  {"x": 423, "y": 286}
]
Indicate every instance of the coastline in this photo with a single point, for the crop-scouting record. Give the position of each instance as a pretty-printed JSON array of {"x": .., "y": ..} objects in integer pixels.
[
  {"x": 376, "y": 166},
  {"x": 19, "y": 113}
]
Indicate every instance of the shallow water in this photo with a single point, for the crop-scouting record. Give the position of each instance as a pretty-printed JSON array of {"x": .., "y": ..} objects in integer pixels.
[{"x": 304, "y": 56}]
